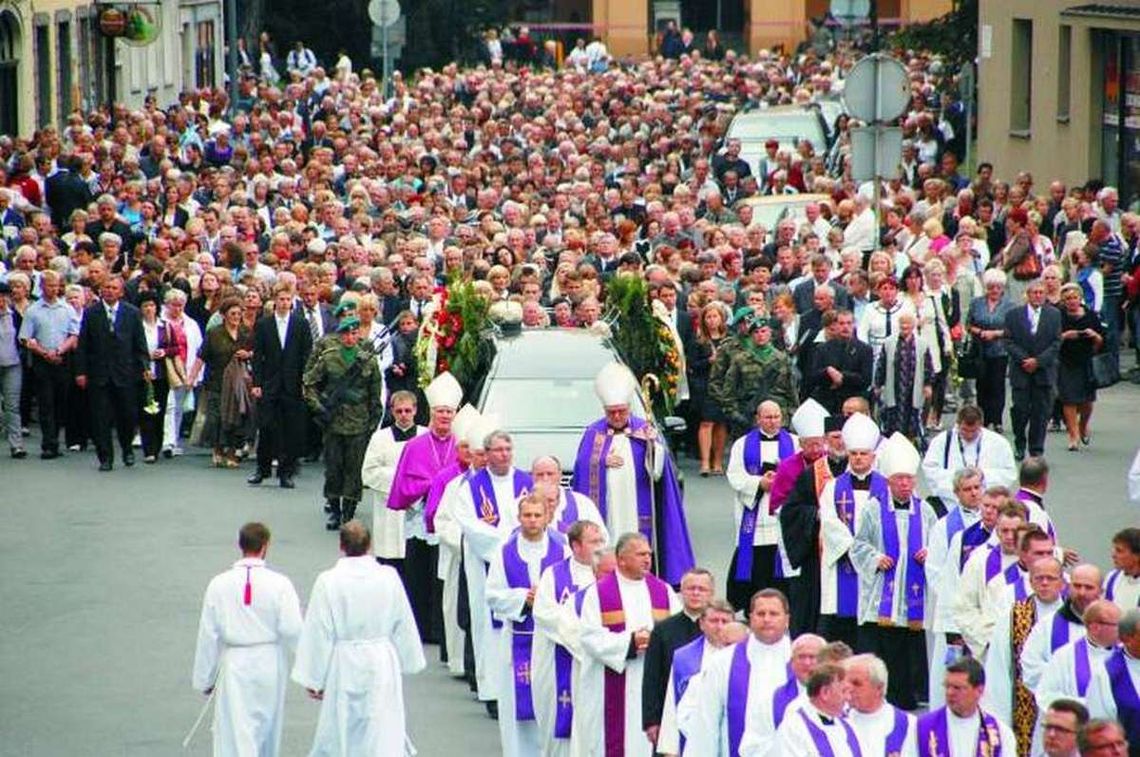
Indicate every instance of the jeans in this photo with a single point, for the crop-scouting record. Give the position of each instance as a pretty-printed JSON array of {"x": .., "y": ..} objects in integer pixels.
[
  {"x": 11, "y": 381},
  {"x": 1110, "y": 314}
]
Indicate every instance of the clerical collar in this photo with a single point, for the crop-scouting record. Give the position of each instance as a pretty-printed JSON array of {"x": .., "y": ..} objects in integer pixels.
[
  {"x": 769, "y": 437},
  {"x": 403, "y": 434},
  {"x": 690, "y": 616},
  {"x": 498, "y": 476},
  {"x": 823, "y": 718},
  {"x": 900, "y": 504}
]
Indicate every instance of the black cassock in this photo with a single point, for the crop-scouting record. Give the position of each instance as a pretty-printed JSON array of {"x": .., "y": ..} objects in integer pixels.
[{"x": 799, "y": 524}]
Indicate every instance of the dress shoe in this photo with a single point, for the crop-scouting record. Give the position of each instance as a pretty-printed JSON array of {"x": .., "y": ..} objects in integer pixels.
[
  {"x": 256, "y": 478},
  {"x": 168, "y": 452},
  {"x": 106, "y": 466},
  {"x": 287, "y": 482},
  {"x": 19, "y": 453},
  {"x": 347, "y": 510},
  {"x": 333, "y": 523},
  {"x": 49, "y": 454},
  {"x": 128, "y": 459},
  {"x": 493, "y": 709}
]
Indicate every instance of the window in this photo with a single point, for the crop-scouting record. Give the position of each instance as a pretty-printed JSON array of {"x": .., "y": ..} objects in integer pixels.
[
  {"x": 43, "y": 75},
  {"x": 1021, "y": 76},
  {"x": 205, "y": 56},
  {"x": 1064, "y": 62},
  {"x": 63, "y": 39}
]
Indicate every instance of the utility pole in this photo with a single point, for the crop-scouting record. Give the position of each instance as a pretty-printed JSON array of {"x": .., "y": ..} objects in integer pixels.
[{"x": 231, "y": 51}]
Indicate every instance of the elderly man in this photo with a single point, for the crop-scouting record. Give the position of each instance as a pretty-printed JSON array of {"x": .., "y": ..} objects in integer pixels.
[
  {"x": 49, "y": 332},
  {"x": 1033, "y": 339},
  {"x": 1070, "y": 670},
  {"x": 618, "y": 615},
  {"x": 623, "y": 467},
  {"x": 889, "y": 552},
  {"x": 1067, "y": 624},
  {"x": 877, "y": 724},
  {"x": 1113, "y": 691},
  {"x": 821, "y": 275},
  {"x": 788, "y": 697},
  {"x": 962, "y": 727},
  {"x": 735, "y": 686},
  {"x": 251, "y": 618},
  {"x": 759, "y": 560},
  {"x": 569, "y": 506},
  {"x": 359, "y": 637},
  {"x": 820, "y": 727}
]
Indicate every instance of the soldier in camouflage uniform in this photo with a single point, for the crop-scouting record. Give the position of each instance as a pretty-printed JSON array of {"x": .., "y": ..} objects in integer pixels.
[
  {"x": 342, "y": 385},
  {"x": 739, "y": 325},
  {"x": 757, "y": 372}
]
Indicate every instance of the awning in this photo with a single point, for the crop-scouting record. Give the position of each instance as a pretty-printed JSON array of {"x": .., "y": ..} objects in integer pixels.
[{"x": 1122, "y": 11}]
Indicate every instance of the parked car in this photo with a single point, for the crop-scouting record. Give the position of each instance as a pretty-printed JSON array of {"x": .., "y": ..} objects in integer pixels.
[
  {"x": 787, "y": 124},
  {"x": 771, "y": 209},
  {"x": 540, "y": 384}
]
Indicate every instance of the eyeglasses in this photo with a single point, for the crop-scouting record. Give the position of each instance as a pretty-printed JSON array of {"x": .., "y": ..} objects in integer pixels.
[{"x": 1059, "y": 728}]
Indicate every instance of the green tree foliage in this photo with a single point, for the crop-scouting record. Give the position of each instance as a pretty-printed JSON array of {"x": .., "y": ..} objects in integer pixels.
[{"x": 954, "y": 36}]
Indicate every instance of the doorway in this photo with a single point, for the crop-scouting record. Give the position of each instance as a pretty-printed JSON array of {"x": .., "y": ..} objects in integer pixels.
[{"x": 9, "y": 73}]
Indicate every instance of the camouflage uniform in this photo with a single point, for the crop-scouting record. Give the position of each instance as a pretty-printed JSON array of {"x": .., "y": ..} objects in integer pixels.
[
  {"x": 719, "y": 370},
  {"x": 751, "y": 379},
  {"x": 351, "y": 422}
]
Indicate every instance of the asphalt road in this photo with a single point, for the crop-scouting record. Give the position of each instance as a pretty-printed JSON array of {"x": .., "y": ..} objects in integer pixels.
[{"x": 103, "y": 576}]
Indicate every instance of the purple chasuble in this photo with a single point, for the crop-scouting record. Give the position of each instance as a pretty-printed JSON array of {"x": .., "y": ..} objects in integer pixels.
[
  {"x": 613, "y": 618},
  {"x": 1123, "y": 692},
  {"x": 564, "y": 586},
  {"x": 435, "y": 491},
  {"x": 847, "y": 581},
  {"x": 934, "y": 735},
  {"x": 522, "y": 635},
  {"x": 915, "y": 575},
  {"x": 785, "y": 448},
  {"x": 823, "y": 744},
  {"x": 421, "y": 459},
  {"x": 675, "y": 552}
]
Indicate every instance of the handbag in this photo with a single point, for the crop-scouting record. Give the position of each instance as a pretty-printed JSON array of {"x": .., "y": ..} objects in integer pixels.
[
  {"x": 1029, "y": 268},
  {"x": 175, "y": 372},
  {"x": 1105, "y": 369},
  {"x": 968, "y": 354}
]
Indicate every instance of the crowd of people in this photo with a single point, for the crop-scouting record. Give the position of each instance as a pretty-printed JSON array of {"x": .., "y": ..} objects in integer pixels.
[{"x": 253, "y": 277}]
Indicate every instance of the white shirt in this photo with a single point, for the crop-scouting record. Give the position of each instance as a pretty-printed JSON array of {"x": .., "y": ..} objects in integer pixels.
[
  {"x": 872, "y": 729},
  {"x": 282, "y": 328},
  {"x": 963, "y": 734},
  {"x": 1034, "y": 318}
]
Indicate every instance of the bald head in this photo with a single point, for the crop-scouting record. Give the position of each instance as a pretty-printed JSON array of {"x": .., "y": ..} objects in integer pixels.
[
  {"x": 546, "y": 470},
  {"x": 1084, "y": 586},
  {"x": 769, "y": 417},
  {"x": 1102, "y": 618}
]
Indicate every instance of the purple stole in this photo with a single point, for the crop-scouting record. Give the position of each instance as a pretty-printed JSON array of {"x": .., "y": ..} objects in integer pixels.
[
  {"x": 823, "y": 744},
  {"x": 1110, "y": 584},
  {"x": 1012, "y": 574},
  {"x": 1081, "y": 666},
  {"x": 1024, "y": 495},
  {"x": 1059, "y": 634},
  {"x": 1123, "y": 692},
  {"x": 522, "y": 636},
  {"x": 954, "y": 524},
  {"x": 563, "y": 661},
  {"x": 613, "y": 618},
  {"x": 915, "y": 575},
  {"x": 686, "y": 664},
  {"x": 739, "y": 674},
  {"x": 972, "y": 538},
  {"x": 570, "y": 514},
  {"x": 847, "y": 594},
  {"x": 934, "y": 735},
  {"x": 897, "y": 735},
  {"x": 785, "y": 447},
  {"x": 784, "y": 696},
  {"x": 483, "y": 494},
  {"x": 595, "y": 471}
]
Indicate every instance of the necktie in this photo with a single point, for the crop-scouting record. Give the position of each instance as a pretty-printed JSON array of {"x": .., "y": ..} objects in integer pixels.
[
  {"x": 111, "y": 319},
  {"x": 888, "y": 311},
  {"x": 314, "y": 326}
]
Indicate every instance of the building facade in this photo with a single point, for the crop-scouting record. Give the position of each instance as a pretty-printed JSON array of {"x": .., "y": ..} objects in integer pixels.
[
  {"x": 53, "y": 59},
  {"x": 1059, "y": 91}
]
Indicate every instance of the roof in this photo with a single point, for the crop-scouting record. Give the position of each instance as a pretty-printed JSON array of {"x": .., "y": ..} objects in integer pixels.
[
  {"x": 1129, "y": 11},
  {"x": 553, "y": 353}
]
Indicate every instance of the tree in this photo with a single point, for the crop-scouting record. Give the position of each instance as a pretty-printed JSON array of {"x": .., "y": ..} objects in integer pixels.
[{"x": 953, "y": 36}]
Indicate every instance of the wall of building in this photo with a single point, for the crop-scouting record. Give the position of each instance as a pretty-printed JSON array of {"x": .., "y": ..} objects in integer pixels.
[{"x": 1056, "y": 144}]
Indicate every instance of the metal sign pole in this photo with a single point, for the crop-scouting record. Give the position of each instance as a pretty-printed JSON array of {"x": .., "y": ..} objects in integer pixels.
[
  {"x": 232, "y": 53},
  {"x": 386, "y": 62}
]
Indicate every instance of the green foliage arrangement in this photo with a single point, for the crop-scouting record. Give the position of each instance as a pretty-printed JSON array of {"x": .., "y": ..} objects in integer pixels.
[
  {"x": 453, "y": 337},
  {"x": 643, "y": 341}
]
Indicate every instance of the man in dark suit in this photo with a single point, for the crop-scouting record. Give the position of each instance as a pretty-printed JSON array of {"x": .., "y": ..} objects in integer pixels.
[
  {"x": 110, "y": 362},
  {"x": 841, "y": 367},
  {"x": 66, "y": 192},
  {"x": 804, "y": 293},
  {"x": 666, "y": 638},
  {"x": 281, "y": 346},
  {"x": 319, "y": 320},
  {"x": 1033, "y": 340}
]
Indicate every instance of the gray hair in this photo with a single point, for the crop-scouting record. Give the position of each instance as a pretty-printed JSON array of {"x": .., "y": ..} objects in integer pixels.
[
  {"x": 963, "y": 475},
  {"x": 994, "y": 276},
  {"x": 174, "y": 295},
  {"x": 496, "y": 436},
  {"x": 875, "y": 667},
  {"x": 110, "y": 237},
  {"x": 1129, "y": 624},
  {"x": 628, "y": 538},
  {"x": 805, "y": 638}
]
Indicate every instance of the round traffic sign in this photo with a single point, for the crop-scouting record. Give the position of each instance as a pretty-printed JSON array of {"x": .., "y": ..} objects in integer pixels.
[
  {"x": 384, "y": 12},
  {"x": 876, "y": 89}
]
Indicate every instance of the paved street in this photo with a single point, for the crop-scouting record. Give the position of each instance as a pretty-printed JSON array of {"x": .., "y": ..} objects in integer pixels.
[{"x": 103, "y": 575}]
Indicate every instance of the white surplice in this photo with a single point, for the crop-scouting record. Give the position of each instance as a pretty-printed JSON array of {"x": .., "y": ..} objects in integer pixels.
[
  {"x": 376, "y": 474},
  {"x": 702, "y": 714},
  {"x": 555, "y": 623},
  {"x": 1059, "y": 681},
  {"x": 837, "y": 540},
  {"x": 587, "y": 510},
  {"x": 669, "y": 733},
  {"x": 621, "y": 486},
  {"x": 963, "y": 735},
  {"x": 943, "y": 574},
  {"x": 481, "y": 542},
  {"x": 241, "y": 652},
  {"x": 745, "y": 485},
  {"x": 869, "y": 546},
  {"x": 794, "y": 740},
  {"x": 603, "y": 649},
  {"x": 872, "y": 729},
  {"x": 1101, "y": 702},
  {"x": 976, "y": 606},
  {"x": 447, "y": 570},
  {"x": 508, "y": 604},
  {"x": 998, "y": 696},
  {"x": 1037, "y": 654},
  {"x": 948, "y": 453},
  {"x": 359, "y": 637}
]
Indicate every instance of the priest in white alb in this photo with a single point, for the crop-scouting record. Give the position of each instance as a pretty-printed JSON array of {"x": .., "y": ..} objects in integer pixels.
[
  {"x": 818, "y": 727},
  {"x": 486, "y": 513},
  {"x": 890, "y": 552},
  {"x": 879, "y": 725},
  {"x": 379, "y": 468},
  {"x": 1068, "y": 624},
  {"x": 618, "y": 612},
  {"x": 1115, "y": 689},
  {"x": 967, "y": 444},
  {"x": 737, "y": 684},
  {"x": 557, "y": 635},
  {"x": 512, "y": 582},
  {"x": 566, "y": 505},
  {"x": 251, "y": 618},
  {"x": 359, "y": 639}
]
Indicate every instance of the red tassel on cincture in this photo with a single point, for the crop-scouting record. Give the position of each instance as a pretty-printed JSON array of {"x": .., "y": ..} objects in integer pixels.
[{"x": 248, "y": 598}]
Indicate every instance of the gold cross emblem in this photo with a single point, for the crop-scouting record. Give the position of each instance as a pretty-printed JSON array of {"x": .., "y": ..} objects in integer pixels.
[
  {"x": 841, "y": 507},
  {"x": 487, "y": 510}
]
